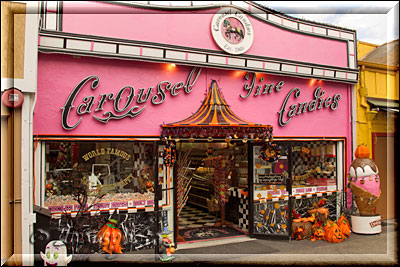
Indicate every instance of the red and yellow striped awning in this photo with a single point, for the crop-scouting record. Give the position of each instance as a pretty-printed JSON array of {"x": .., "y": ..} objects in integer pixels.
[{"x": 214, "y": 118}]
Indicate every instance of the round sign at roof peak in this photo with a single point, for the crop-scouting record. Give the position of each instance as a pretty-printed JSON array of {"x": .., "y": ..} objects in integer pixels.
[{"x": 232, "y": 31}]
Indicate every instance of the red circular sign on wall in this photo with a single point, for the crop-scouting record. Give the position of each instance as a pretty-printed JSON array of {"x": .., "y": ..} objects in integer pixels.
[{"x": 12, "y": 98}]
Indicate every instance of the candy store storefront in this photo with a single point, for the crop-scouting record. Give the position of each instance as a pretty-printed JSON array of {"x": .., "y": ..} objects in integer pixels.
[{"x": 240, "y": 117}]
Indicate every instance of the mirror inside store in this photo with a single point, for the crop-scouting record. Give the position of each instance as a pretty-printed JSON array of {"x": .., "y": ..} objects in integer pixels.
[{"x": 208, "y": 175}]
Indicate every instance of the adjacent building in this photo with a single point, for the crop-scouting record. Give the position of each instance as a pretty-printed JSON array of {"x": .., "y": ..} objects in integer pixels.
[{"x": 377, "y": 111}]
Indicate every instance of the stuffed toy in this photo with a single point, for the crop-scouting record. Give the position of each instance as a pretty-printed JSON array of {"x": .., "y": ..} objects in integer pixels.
[
  {"x": 319, "y": 234},
  {"x": 344, "y": 226},
  {"x": 56, "y": 254},
  {"x": 110, "y": 236},
  {"x": 334, "y": 234},
  {"x": 167, "y": 246}
]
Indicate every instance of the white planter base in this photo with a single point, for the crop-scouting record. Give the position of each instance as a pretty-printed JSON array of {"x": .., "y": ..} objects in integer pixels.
[{"x": 366, "y": 224}]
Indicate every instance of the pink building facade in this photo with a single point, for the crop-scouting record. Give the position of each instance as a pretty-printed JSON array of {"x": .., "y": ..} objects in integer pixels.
[{"x": 110, "y": 74}]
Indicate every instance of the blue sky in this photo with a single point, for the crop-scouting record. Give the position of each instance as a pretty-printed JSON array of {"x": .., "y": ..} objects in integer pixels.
[{"x": 375, "y": 21}]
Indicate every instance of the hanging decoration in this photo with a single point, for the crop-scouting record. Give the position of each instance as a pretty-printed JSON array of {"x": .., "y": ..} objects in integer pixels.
[
  {"x": 227, "y": 133},
  {"x": 183, "y": 181},
  {"x": 222, "y": 178},
  {"x": 222, "y": 182},
  {"x": 270, "y": 152},
  {"x": 210, "y": 151},
  {"x": 169, "y": 154}
]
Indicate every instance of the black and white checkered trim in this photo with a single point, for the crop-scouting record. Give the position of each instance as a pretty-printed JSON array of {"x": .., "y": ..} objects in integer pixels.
[{"x": 243, "y": 208}]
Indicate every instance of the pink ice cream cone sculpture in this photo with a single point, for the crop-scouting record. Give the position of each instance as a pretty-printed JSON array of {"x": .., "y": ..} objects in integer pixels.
[{"x": 365, "y": 182}]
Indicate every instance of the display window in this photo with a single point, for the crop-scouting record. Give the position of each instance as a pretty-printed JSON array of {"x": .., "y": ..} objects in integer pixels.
[
  {"x": 98, "y": 175},
  {"x": 314, "y": 167},
  {"x": 270, "y": 177},
  {"x": 292, "y": 177}
]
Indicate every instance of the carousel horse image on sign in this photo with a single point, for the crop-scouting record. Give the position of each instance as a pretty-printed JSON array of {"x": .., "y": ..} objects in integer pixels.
[{"x": 238, "y": 33}]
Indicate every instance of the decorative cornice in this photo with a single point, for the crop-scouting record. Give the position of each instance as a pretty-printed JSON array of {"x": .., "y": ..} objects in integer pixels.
[
  {"x": 250, "y": 8},
  {"x": 99, "y": 46}
]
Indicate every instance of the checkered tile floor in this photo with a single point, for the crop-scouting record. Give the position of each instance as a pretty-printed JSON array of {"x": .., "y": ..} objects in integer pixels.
[{"x": 192, "y": 216}]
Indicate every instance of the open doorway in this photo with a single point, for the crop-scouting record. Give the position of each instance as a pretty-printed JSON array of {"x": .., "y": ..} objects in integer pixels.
[{"x": 210, "y": 175}]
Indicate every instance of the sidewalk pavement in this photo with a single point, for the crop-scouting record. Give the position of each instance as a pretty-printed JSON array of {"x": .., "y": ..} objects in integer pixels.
[{"x": 380, "y": 249}]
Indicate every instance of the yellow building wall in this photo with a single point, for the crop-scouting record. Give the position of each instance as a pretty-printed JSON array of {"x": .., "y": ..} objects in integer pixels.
[
  {"x": 376, "y": 129},
  {"x": 364, "y": 48},
  {"x": 377, "y": 81},
  {"x": 12, "y": 39},
  {"x": 13, "y": 23}
]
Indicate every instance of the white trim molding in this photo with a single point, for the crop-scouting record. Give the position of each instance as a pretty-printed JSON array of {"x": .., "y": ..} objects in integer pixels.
[{"x": 99, "y": 46}]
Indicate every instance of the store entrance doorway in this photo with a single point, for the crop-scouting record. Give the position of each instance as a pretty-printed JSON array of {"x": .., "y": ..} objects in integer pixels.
[{"x": 207, "y": 176}]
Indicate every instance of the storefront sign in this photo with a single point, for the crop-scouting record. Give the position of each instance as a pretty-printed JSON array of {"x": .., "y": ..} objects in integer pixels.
[
  {"x": 12, "y": 98},
  {"x": 277, "y": 193},
  {"x": 109, "y": 187},
  {"x": 103, "y": 206},
  {"x": 232, "y": 31},
  {"x": 109, "y": 151},
  {"x": 295, "y": 109},
  {"x": 270, "y": 179},
  {"x": 87, "y": 103},
  {"x": 313, "y": 189},
  {"x": 375, "y": 223}
]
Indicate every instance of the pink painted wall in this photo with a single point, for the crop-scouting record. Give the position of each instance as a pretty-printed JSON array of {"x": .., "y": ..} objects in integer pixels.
[
  {"x": 193, "y": 30},
  {"x": 58, "y": 75}
]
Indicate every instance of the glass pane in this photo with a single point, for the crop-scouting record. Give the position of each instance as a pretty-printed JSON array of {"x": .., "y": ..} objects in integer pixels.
[
  {"x": 271, "y": 218},
  {"x": 270, "y": 177},
  {"x": 314, "y": 167},
  {"x": 302, "y": 205},
  {"x": 111, "y": 175}
]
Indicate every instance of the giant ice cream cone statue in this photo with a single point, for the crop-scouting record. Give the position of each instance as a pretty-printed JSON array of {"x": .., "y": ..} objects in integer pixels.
[{"x": 365, "y": 186}]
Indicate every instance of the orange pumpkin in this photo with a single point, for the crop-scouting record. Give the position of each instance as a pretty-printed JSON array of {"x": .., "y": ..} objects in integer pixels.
[
  {"x": 319, "y": 234},
  {"x": 327, "y": 225},
  {"x": 344, "y": 226},
  {"x": 362, "y": 151},
  {"x": 110, "y": 237},
  {"x": 334, "y": 234},
  {"x": 341, "y": 219}
]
